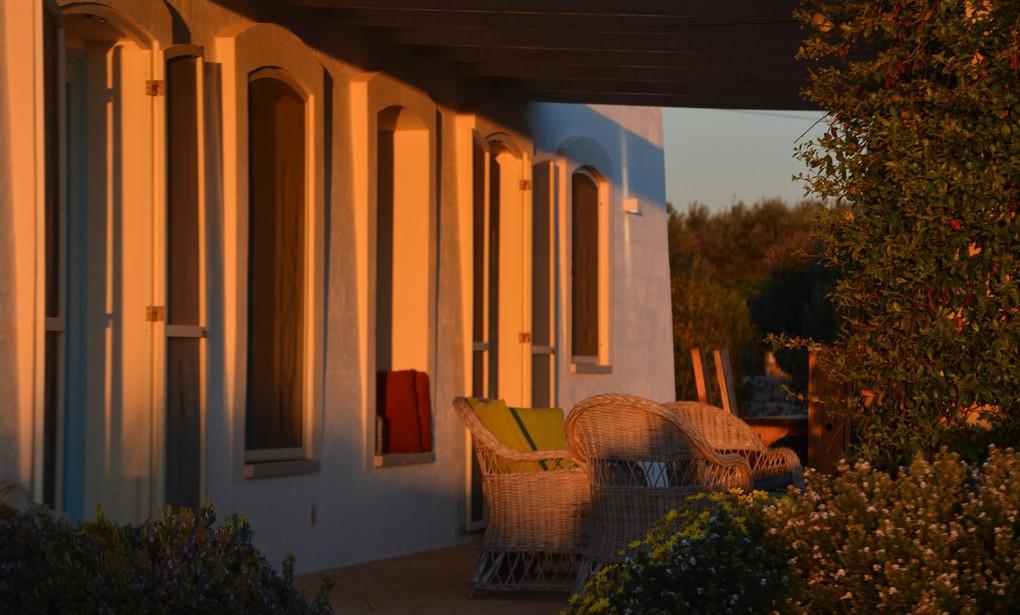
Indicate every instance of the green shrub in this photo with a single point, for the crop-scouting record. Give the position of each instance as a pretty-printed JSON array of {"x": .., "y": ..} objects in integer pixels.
[
  {"x": 180, "y": 563},
  {"x": 709, "y": 557},
  {"x": 974, "y": 441},
  {"x": 942, "y": 536},
  {"x": 923, "y": 154}
]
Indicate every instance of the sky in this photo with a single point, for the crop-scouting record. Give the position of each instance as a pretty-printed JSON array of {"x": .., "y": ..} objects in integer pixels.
[{"x": 719, "y": 156}]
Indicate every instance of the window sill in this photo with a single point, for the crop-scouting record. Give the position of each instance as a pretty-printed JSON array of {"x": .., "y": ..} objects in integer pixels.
[
  {"x": 392, "y": 460},
  {"x": 273, "y": 469},
  {"x": 590, "y": 368}
]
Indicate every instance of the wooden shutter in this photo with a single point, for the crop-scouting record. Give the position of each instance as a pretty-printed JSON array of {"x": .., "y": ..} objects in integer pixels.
[
  {"x": 543, "y": 392},
  {"x": 55, "y": 254},
  {"x": 493, "y": 310},
  {"x": 480, "y": 349},
  {"x": 184, "y": 283}
]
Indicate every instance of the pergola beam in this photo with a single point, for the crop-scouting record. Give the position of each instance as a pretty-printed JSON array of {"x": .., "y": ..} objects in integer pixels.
[
  {"x": 694, "y": 73},
  {"x": 603, "y": 57},
  {"x": 774, "y": 39},
  {"x": 701, "y": 53},
  {"x": 756, "y": 10},
  {"x": 702, "y": 100},
  {"x": 647, "y": 88},
  {"x": 523, "y": 21}
]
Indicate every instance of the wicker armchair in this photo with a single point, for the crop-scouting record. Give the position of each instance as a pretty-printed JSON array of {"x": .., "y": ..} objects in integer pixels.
[
  {"x": 771, "y": 468},
  {"x": 642, "y": 460},
  {"x": 533, "y": 540}
]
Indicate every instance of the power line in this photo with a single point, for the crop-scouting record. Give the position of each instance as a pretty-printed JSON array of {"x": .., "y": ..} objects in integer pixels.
[{"x": 788, "y": 116}]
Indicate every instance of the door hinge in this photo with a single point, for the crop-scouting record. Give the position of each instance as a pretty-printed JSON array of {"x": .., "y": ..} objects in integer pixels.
[
  {"x": 524, "y": 338},
  {"x": 154, "y": 313},
  {"x": 525, "y": 184},
  {"x": 155, "y": 87}
]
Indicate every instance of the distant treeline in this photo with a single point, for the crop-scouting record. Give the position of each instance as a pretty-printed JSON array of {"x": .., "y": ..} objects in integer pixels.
[{"x": 743, "y": 273}]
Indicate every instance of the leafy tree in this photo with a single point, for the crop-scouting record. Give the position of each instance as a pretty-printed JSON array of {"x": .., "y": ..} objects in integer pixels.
[
  {"x": 739, "y": 274},
  {"x": 707, "y": 315},
  {"x": 923, "y": 151}
]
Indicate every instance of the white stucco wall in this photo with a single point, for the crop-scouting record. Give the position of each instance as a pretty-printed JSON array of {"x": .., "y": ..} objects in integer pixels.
[
  {"x": 360, "y": 513},
  {"x": 628, "y": 142}
]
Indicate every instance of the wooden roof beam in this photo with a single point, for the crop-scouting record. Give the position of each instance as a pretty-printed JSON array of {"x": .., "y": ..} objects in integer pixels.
[
  {"x": 734, "y": 88},
  {"x": 558, "y": 22},
  {"x": 778, "y": 39},
  {"x": 620, "y": 58},
  {"x": 733, "y": 9},
  {"x": 750, "y": 100},
  {"x": 689, "y": 72}
]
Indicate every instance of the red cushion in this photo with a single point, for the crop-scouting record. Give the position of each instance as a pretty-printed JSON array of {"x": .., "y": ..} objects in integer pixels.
[{"x": 403, "y": 400}]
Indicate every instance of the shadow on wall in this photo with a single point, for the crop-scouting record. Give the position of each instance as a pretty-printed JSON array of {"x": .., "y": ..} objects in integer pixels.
[
  {"x": 640, "y": 172},
  {"x": 181, "y": 32},
  {"x": 9, "y": 421},
  {"x": 638, "y": 169}
]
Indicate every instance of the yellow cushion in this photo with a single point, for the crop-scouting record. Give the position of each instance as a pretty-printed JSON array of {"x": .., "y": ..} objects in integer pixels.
[
  {"x": 545, "y": 426},
  {"x": 497, "y": 418},
  {"x": 524, "y": 429}
]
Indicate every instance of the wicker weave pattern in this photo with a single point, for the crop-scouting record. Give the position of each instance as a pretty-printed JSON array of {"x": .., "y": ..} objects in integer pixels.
[
  {"x": 728, "y": 434},
  {"x": 533, "y": 540},
  {"x": 642, "y": 460}
]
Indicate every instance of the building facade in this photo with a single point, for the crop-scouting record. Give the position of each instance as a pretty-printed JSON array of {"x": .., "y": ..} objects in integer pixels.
[{"x": 221, "y": 228}]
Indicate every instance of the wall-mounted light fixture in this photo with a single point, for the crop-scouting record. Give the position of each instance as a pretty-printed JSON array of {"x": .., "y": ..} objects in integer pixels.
[{"x": 631, "y": 205}]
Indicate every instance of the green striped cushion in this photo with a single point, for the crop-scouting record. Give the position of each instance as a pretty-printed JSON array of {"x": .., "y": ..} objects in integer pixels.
[{"x": 523, "y": 429}]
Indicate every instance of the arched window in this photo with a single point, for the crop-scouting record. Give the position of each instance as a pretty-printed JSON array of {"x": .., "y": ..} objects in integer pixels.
[
  {"x": 274, "y": 208},
  {"x": 590, "y": 271},
  {"x": 403, "y": 283},
  {"x": 276, "y": 268},
  {"x": 585, "y": 257}
]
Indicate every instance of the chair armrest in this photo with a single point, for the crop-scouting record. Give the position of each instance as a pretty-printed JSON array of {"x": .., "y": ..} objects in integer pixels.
[
  {"x": 775, "y": 461},
  {"x": 509, "y": 461},
  {"x": 735, "y": 472},
  {"x": 791, "y": 456},
  {"x": 552, "y": 454}
]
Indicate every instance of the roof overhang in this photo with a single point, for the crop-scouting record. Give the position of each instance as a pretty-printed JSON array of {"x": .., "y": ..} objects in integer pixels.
[{"x": 680, "y": 53}]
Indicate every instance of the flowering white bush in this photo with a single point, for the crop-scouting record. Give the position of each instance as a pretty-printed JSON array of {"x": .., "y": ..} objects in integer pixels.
[{"x": 939, "y": 537}]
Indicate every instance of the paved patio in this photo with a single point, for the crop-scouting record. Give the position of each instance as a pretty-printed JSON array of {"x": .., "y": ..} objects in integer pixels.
[{"x": 431, "y": 583}]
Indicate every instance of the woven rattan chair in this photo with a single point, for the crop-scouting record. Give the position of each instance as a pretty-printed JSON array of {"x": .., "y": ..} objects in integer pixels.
[
  {"x": 642, "y": 461},
  {"x": 771, "y": 468},
  {"x": 537, "y": 504}
]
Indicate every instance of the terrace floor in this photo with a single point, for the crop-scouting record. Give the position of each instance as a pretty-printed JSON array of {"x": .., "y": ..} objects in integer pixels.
[{"x": 430, "y": 583}]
